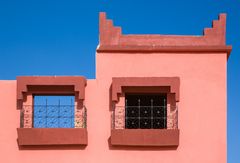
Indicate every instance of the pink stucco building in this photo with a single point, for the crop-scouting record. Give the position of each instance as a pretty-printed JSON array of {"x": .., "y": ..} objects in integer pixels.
[{"x": 156, "y": 98}]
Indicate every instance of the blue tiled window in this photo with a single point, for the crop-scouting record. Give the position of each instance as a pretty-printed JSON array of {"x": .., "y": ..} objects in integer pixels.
[{"x": 53, "y": 112}]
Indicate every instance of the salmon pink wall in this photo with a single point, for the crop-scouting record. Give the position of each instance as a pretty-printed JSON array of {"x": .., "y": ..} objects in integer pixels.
[
  {"x": 202, "y": 112},
  {"x": 202, "y": 106}
]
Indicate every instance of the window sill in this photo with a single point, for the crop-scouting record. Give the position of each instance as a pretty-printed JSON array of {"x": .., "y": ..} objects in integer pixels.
[
  {"x": 52, "y": 136},
  {"x": 145, "y": 137}
]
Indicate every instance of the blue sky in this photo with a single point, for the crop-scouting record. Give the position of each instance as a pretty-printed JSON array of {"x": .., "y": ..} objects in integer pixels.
[{"x": 59, "y": 37}]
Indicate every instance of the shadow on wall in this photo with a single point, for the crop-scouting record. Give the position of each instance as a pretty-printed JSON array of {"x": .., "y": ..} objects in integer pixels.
[
  {"x": 140, "y": 148},
  {"x": 51, "y": 147},
  {"x": 110, "y": 99}
]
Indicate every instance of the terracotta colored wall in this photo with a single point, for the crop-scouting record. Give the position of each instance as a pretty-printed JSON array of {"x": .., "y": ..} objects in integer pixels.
[{"x": 202, "y": 112}]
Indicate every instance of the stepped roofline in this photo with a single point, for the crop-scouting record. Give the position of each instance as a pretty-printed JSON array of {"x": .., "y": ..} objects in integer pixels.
[{"x": 213, "y": 39}]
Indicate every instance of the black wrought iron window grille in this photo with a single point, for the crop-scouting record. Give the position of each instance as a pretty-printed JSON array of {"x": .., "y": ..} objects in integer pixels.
[
  {"x": 150, "y": 114},
  {"x": 53, "y": 116}
]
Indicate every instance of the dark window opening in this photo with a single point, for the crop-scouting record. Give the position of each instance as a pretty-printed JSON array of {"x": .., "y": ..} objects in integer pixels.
[
  {"x": 146, "y": 111},
  {"x": 53, "y": 111}
]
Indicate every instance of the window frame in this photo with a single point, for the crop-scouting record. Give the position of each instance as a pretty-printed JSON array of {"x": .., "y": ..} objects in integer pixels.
[
  {"x": 143, "y": 137},
  {"x": 27, "y": 87}
]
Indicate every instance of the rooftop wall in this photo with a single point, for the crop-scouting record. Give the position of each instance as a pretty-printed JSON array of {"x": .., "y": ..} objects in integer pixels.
[{"x": 212, "y": 40}]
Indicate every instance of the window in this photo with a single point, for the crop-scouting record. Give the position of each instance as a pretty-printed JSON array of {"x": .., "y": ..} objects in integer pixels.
[
  {"x": 145, "y": 111},
  {"x": 53, "y": 111}
]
